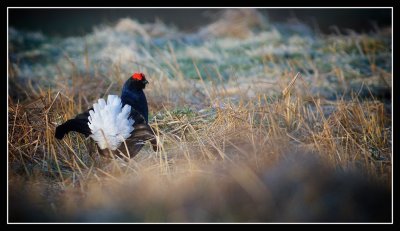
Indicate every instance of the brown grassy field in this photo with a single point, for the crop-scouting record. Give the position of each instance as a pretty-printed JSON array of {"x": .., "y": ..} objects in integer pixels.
[
  {"x": 213, "y": 158},
  {"x": 231, "y": 150}
]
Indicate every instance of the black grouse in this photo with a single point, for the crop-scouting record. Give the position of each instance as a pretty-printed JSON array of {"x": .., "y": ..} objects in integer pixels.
[{"x": 118, "y": 121}]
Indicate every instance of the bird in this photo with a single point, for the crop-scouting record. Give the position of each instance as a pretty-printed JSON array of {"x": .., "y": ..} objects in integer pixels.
[{"x": 119, "y": 126}]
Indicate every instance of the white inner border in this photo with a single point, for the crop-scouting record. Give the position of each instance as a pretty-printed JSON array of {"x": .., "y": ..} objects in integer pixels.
[{"x": 197, "y": 8}]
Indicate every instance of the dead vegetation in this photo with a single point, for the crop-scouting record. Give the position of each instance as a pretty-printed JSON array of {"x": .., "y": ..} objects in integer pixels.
[{"x": 218, "y": 151}]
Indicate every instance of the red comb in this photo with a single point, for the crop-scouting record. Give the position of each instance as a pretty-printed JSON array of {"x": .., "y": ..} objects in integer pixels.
[{"x": 137, "y": 76}]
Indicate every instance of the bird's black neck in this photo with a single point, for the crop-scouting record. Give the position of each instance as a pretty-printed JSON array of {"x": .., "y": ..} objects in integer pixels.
[{"x": 137, "y": 100}]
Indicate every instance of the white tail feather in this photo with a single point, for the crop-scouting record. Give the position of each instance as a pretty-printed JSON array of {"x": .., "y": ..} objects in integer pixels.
[{"x": 113, "y": 120}]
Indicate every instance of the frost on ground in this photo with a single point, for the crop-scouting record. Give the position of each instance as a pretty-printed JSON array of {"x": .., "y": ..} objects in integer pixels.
[{"x": 256, "y": 50}]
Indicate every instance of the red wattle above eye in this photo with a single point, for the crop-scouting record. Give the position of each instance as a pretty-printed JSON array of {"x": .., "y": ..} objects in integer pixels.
[{"x": 137, "y": 76}]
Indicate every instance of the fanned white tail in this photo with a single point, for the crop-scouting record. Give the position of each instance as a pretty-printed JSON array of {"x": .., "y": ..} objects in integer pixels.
[{"x": 110, "y": 123}]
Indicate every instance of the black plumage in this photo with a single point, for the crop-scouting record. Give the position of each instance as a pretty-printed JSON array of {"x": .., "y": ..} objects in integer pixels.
[{"x": 133, "y": 95}]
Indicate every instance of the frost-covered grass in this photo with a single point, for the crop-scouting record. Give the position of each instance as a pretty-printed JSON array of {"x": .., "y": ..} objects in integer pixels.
[{"x": 258, "y": 122}]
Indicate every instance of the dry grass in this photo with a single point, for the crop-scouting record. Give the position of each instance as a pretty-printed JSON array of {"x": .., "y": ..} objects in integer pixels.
[{"x": 215, "y": 164}]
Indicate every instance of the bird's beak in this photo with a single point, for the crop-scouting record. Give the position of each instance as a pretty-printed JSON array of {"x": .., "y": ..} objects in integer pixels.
[{"x": 145, "y": 82}]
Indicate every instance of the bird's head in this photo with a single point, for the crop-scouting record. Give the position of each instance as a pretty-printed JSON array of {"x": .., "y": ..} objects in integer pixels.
[{"x": 137, "y": 81}]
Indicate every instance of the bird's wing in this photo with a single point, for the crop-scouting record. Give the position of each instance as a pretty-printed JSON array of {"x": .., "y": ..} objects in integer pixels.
[
  {"x": 142, "y": 133},
  {"x": 137, "y": 117},
  {"x": 78, "y": 124}
]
